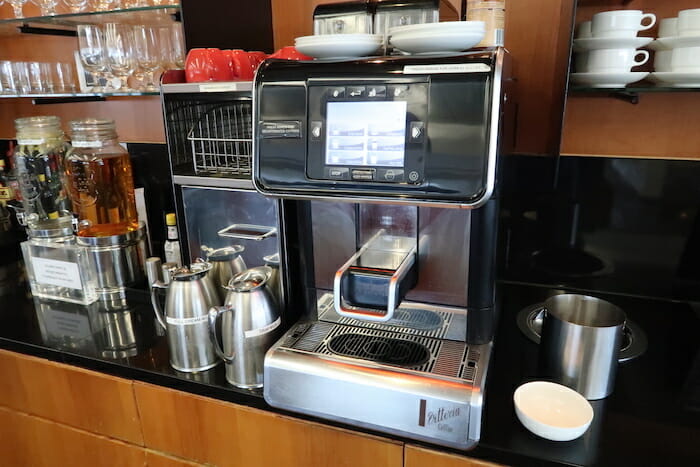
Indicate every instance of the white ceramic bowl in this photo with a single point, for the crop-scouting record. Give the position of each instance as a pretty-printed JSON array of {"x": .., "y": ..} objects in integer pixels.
[
  {"x": 433, "y": 43},
  {"x": 552, "y": 411},
  {"x": 445, "y": 26},
  {"x": 338, "y": 49}
]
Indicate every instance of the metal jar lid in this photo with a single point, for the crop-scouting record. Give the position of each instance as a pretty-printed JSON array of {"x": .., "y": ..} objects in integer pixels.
[
  {"x": 250, "y": 279},
  {"x": 114, "y": 240}
]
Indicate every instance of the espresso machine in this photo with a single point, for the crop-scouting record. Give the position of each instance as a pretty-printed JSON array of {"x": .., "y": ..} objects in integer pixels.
[{"x": 386, "y": 168}]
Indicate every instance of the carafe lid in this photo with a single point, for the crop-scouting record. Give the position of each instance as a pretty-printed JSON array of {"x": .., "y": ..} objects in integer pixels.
[
  {"x": 223, "y": 254},
  {"x": 251, "y": 279},
  {"x": 194, "y": 272}
]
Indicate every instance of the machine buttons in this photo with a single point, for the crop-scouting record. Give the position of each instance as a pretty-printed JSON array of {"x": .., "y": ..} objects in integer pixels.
[
  {"x": 356, "y": 91},
  {"x": 413, "y": 176},
  {"x": 417, "y": 132},
  {"x": 376, "y": 91},
  {"x": 363, "y": 174},
  {"x": 338, "y": 173},
  {"x": 398, "y": 90},
  {"x": 390, "y": 175},
  {"x": 336, "y": 92},
  {"x": 315, "y": 129}
]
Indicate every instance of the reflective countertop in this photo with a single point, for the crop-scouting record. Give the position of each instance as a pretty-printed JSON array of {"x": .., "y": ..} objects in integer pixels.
[{"x": 652, "y": 417}]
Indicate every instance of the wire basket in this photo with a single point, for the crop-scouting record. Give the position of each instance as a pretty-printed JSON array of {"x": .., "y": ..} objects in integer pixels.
[{"x": 221, "y": 140}]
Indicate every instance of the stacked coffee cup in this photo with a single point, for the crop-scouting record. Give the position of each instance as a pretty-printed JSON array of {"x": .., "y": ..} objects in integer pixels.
[
  {"x": 677, "y": 50},
  {"x": 607, "y": 48}
]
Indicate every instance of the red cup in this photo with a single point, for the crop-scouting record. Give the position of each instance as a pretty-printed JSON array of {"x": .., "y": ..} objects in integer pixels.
[
  {"x": 242, "y": 68},
  {"x": 229, "y": 57},
  {"x": 221, "y": 71},
  {"x": 256, "y": 58},
  {"x": 290, "y": 53},
  {"x": 198, "y": 66}
]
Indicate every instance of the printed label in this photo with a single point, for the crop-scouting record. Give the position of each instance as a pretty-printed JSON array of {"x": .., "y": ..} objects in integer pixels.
[
  {"x": 30, "y": 142},
  {"x": 187, "y": 321},
  {"x": 60, "y": 324},
  {"x": 264, "y": 330},
  {"x": 6, "y": 193},
  {"x": 217, "y": 87},
  {"x": 86, "y": 144},
  {"x": 58, "y": 273},
  {"x": 447, "y": 68}
]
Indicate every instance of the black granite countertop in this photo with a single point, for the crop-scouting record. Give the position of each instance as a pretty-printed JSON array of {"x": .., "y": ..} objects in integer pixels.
[{"x": 652, "y": 417}]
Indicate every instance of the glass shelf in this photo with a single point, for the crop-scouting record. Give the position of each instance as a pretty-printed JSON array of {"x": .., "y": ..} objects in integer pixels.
[
  {"x": 78, "y": 96},
  {"x": 143, "y": 15},
  {"x": 636, "y": 89}
]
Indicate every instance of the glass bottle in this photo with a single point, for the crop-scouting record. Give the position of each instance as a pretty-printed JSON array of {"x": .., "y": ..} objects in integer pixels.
[
  {"x": 38, "y": 165},
  {"x": 99, "y": 180}
]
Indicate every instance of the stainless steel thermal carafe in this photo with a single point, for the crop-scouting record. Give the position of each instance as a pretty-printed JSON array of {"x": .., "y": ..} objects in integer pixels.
[
  {"x": 190, "y": 295},
  {"x": 226, "y": 262},
  {"x": 249, "y": 326},
  {"x": 581, "y": 339}
]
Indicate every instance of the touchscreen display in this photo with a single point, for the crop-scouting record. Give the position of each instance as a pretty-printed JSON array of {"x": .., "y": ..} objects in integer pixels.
[{"x": 366, "y": 133}]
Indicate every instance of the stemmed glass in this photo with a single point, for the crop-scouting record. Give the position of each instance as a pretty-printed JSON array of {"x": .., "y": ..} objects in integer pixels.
[
  {"x": 47, "y": 7},
  {"x": 76, "y": 6},
  {"x": 120, "y": 52},
  {"x": 135, "y": 3},
  {"x": 92, "y": 52},
  {"x": 17, "y": 7},
  {"x": 177, "y": 42},
  {"x": 105, "y": 5},
  {"x": 148, "y": 55}
]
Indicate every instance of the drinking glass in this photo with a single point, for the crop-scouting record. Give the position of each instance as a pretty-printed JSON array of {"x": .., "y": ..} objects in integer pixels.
[
  {"x": 120, "y": 52},
  {"x": 17, "y": 7},
  {"x": 158, "y": 2},
  {"x": 148, "y": 55},
  {"x": 8, "y": 77},
  {"x": 177, "y": 42},
  {"x": 105, "y": 5},
  {"x": 22, "y": 74},
  {"x": 64, "y": 78},
  {"x": 47, "y": 7},
  {"x": 164, "y": 36},
  {"x": 76, "y": 6},
  {"x": 92, "y": 52},
  {"x": 135, "y": 3}
]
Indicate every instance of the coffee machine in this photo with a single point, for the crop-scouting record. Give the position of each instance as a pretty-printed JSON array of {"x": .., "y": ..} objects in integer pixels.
[{"x": 386, "y": 167}]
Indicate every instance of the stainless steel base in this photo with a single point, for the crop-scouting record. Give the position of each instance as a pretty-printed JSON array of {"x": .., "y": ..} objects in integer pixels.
[{"x": 345, "y": 373}]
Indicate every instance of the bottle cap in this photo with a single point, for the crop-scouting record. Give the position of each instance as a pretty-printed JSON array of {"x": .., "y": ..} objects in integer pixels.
[{"x": 170, "y": 219}]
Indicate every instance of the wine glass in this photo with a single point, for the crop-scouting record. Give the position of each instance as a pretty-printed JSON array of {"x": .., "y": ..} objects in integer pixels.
[
  {"x": 177, "y": 42},
  {"x": 105, "y": 5},
  {"x": 148, "y": 55},
  {"x": 76, "y": 6},
  {"x": 135, "y": 3},
  {"x": 47, "y": 7},
  {"x": 92, "y": 52},
  {"x": 120, "y": 52},
  {"x": 17, "y": 7}
]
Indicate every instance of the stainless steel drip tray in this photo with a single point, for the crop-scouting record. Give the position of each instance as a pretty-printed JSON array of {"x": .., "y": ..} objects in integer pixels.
[
  {"x": 408, "y": 385},
  {"x": 418, "y": 319}
]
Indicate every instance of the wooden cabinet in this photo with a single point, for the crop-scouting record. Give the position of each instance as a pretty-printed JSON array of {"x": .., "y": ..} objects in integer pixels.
[
  {"x": 224, "y": 434},
  {"x": 415, "y": 456},
  {"x": 83, "y": 399}
]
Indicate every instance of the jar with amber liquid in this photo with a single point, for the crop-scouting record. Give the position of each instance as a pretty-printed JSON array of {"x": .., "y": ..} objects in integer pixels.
[
  {"x": 38, "y": 165},
  {"x": 99, "y": 180}
]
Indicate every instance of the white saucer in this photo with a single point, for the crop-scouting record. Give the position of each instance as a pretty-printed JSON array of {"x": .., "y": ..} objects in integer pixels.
[
  {"x": 608, "y": 80},
  {"x": 668, "y": 43},
  {"x": 440, "y": 28},
  {"x": 676, "y": 79},
  {"x": 433, "y": 42},
  {"x": 339, "y": 45},
  {"x": 596, "y": 43},
  {"x": 325, "y": 38}
]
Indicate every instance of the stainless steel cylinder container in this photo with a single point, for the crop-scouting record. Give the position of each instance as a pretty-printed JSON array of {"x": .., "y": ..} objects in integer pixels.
[
  {"x": 581, "y": 338},
  {"x": 118, "y": 260}
]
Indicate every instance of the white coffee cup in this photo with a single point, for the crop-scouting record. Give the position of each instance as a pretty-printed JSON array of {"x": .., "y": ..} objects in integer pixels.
[
  {"x": 615, "y": 60},
  {"x": 583, "y": 31},
  {"x": 662, "y": 60},
  {"x": 621, "y": 23},
  {"x": 668, "y": 27},
  {"x": 689, "y": 22},
  {"x": 685, "y": 60},
  {"x": 581, "y": 62}
]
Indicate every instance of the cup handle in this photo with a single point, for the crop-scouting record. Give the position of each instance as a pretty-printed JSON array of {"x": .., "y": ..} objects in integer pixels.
[
  {"x": 156, "y": 303},
  {"x": 652, "y": 21},
  {"x": 642, "y": 61},
  {"x": 214, "y": 314}
]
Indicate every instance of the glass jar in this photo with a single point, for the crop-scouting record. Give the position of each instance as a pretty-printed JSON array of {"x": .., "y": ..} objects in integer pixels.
[
  {"x": 99, "y": 180},
  {"x": 38, "y": 165}
]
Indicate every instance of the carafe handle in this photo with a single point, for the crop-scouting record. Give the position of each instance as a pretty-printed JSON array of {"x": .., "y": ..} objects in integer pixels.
[
  {"x": 214, "y": 314},
  {"x": 156, "y": 303}
]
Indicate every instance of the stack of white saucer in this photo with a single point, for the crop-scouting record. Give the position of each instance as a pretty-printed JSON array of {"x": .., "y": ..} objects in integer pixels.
[
  {"x": 606, "y": 48},
  {"x": 339, "y": 45},
  {"x": 429, "y": 38},
  {"x": 677, "y": 51}
]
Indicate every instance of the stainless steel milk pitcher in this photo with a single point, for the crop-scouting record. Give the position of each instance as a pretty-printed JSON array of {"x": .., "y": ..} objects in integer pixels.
[
  {"x": 249, "y": 326},
  {"x": 190, "y": 294},
  {"x": 226, "y": 262}
]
